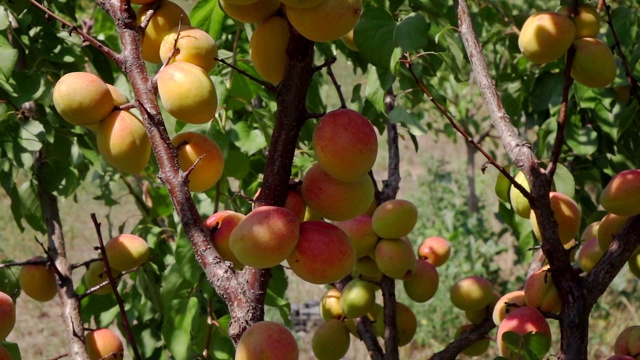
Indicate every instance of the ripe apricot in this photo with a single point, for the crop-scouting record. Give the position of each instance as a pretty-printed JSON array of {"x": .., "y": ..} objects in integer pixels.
[
  {"x": 167, "y": 16},
  {"x": 567, "y": 215},
  {"x": 204, "y": 155},
  {"x": 253, "y": 13},
  {"x": 82, "y": 98},
  {"x": 38, "y": 281},
  {"x": 594, "y": 64},
  {"x": 506, "y": 303},
  {"x": 394, "y": 218},
  {"x": 126, "y": 252},
  {"x": 471, "y": 293},
  {"x": 361, "y": 234},
  {"x": 222, "y": 224},
  {"x": 328, "y": 21},
  {"x": 519, "y": 203},
  {"x": 193, "y": 46},
  {"x": 7, "y": 315},
  {"x": 621, "y": 196},
  {"x": 331, "y": 340},
  {"x": 104, "y": 344},
  {"x": 541, "y": 293},
  {"x": 589, "y": 254},
  {"x": 267, "y": 340},
  {"x": 546, "y": 36},
  {"x": 268, "y": 48},
  {"x": 435, "y": 249},
  {"x": 123, "y": 142},
  {"x": 610, "y": 226},
  {"x": 424, "y": 283},
  {"x": 522, "y": 320},
  {"x": 396, "y": 258},
  {"x": 119, "y": 98}
]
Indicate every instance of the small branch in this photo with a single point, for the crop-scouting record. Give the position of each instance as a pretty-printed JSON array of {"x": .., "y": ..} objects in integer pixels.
[
  {"x": 106, "y": 282},
  {"x": 272, "y": 88},
  {"x": 633, "y": 83},
  {"x": 328, "y": 62},
  {"x": 332, "y": 76},
  {"x": 22, "y": 263},
  {"x": 175, "y": 51},
  {"x": 391, "y": 185},
  {"x": 86, "y": 37},
  {"x": 364, "y": 326},
  {"x": 390, "y": 319},
  {"x": 114, "y": 286},
  {"x": 457, "y": 346}
]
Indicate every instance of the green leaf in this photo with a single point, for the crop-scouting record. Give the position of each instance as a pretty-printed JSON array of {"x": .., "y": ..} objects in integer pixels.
[
  {"x": 30, "y": 207},
  {"x": 236, "y": 164},
  {"x": 563, "y": 181},
  {"x": 276, "y": 294},
  {"x": 208, "y": 16},
  {"x": 400, "y": 115},
  {"x": 536, "y": 344},
  {"x": 9, "y": 281},
  {"x": 582, "y": 140},
  {"x": 8, "y": 58},
  {"x": 185, "y": 258},
  {"x": 247, "y": 139},
  {"x": 176, "y": 329},
  {"x": 13, "y": 349}
]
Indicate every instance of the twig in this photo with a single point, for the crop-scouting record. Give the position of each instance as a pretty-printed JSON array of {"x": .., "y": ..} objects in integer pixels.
[
  {"x": 633, "y": 83},
  {"x": 272, "y": 88},
  {"x": 332, "y": 76},
  {"x": 61, "y": 356},
  {"x": 175, "y": 51},
  {"x": 106, "y": 282},
  {"x": 476, "y": 333},
  {"x": 114, "y": 286},
  {"x": 72, "y": 28},
  {"x": 22, "y": 263},
  {"x": 328, "y": 62}
]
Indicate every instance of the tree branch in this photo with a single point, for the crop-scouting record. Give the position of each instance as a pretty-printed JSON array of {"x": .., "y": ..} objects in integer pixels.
[{"x": 467, "y": 339}]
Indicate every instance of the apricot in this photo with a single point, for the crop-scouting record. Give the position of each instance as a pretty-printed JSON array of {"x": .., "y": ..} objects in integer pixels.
[
  {"x": 126, "y": 252},
  {"x": 634, "y": 263},
  {"x": 166, "y": 17},
  {"x": 589, "y": 254},
  {"x": 610, "y": 226},
  {"x": 267, "y": 340},
  {"x": 357, "y": 298},
  {"x": 123, "y": 142},
  {"x": 541, "y": 293},
  {"x": 435, "y": 249},
  {"x": 38, "y": 281},
  {"x": 621, "y": 196},
  {"x": 103, "y": 344},
  {"x": 323, "y": 254},
  {"x": 394, "y": 218},
  {"x": 406, "y": 321},
  {"x": 193, "y": 46},
  {"x": 242, "y": 2},
  {"x": 349, "y": 41},
  {"x": 303, "y": 4},
  {"x": 330, "y": 305},
  {"x": 187, "y": 93},
  {"x": 471, "y": 293},
  {"x": 477, "y": 348},
  {"x": 546, "y": 36},
  {"x": 222, "y": 224},
  {"x": 519, "y": 203},
  {"x": 268, "y": 48},
  {"x": 361, "y": 234},
  {"x": 396, "y": 258},
  {"x": 7, "y": 315},
  {"x": 200, "y": 155},
  {"x": 594, "y": 64},
  {"x": 367, "y": 268},
  {"x": 328, "y": 21},
  {"x": 346, "y": 145},
  {"x": 254, "y": 13},
  {"x": 295, "y": 203},
  {"x": 522, "y": 321},
  {"x": 265, "y": 237},
  {"x": 628, "y": 342},
  {"x": 506, "y": 303},
  {"x": 567, "y": 215},
  {"x": 587, "y": 21},
  {"x": 119, "y": 98},
  {"x": 334, "y": 199},
  {"x": 331, "y": 340},
  {"x": 82, "y": 98},
  {"x": 4, "y": 354},
  {"x": 424, "y": 283},
  {"x": 97, "y": 275}
]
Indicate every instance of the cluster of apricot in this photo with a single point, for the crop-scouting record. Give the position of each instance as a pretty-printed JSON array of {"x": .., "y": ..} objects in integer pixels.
[
  {"x": 7, "y": 321},
  {"x": 546, "y": 36}
]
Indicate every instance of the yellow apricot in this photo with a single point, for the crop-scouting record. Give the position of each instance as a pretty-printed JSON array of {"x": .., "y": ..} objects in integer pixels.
[
  {"x": 567, "y": 215},
  {"x": 303, "y": 4},
  {"x": 519, "y": 203},
  {"x": 38, "y": 281},
  {"x": 187, "y": 93},
  {"x": 254, "y": 13},
  {"x": 119, "y": 98},
  {"x": 328, "y": 21},
  {"x": 82, "y": 98},
  {"x": 103, "y": 344},
  {"x": 546, "y": 36},
  {"x": 587, "y": 20},
  {"x": 165, "y": 18},
  {"x": 594, "y": 64},
  {"x": 348, "y": 40},
  {"x": 268, "y": 47},
  {"x": 127, "y": 251},
  {"x": 621, "y": 196},
  {"x": 97, "y": 275},
  {"x": 194, "y": 147},
  {"x": 193, "y": 46},
  {"x": 123, "y": 142}
]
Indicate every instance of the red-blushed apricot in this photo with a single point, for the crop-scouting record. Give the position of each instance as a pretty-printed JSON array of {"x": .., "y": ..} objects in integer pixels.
[
  {"x": 222, "y": 224},
  {"x": 522, "y": 320},
  {"x": 4, "y": 354},
  {"x": 333, "y": 199},
  {"x": 591, "y": 231},
  {"x": 193, "y": 46},
  {"x": 295, "y": 203},
  {"x": 328, "y": 21},
  {"x": 123, "y": 142},
  {"x": 330, "y": 305},
  {"x": 303, "y": 4},
  {"x": 471, "y": 293},
  {"x": 167, "y": 16},
  {"x": 546, "y": 36},
  {"x": 331, "y": 340},
  {"x": 268, "y": 48},
  {"x": 589, "y": 254},
  {"x": 394, "y": 218},
  {"x": 519, "y": 203},
  {"x": 7, "y": 315},
  {"x": 82, "y": 98},
  {"x": 593, "y": 64},
  {"x": 628, "y": 342},
  {"x": 97, "y": 275},
  {"x": 621, "y": 357},
  {"x": 267, "y": 340},
  {"x": 323, "y": 254},
  {"x": 119, "y": 98},
  {"x": 396, "y": 258},
  {"x": 242, "y": 2},
  {"x": 406, "y": 322},
  {"x": 126, "y": 252},
  {"x": 361, "y": 234},
  {"x": 621, "y": 196},
  {"x": 567, "y": 215},
  {"x": 424, "y": 283},
  {"x": 541, "y": 293},
  {"x": 506, "y": 303},
  {"x": 477, "y": 348},
  {"x": 38, "y": 281},
  {"x": 187, "y": 92},
  {"x": 265, "y": 237},
  {"x": 610, "y": 226},
  {"x": 202, "y": 156},
  {"x": 345, "y": 144},
  {"x": 357, "y": 298},
  {"x": 104, "y": 344},
  {"x": 142, "y": 2},
  {"x": 435, "y": 249},
  {"x": 254, "y": 13}
]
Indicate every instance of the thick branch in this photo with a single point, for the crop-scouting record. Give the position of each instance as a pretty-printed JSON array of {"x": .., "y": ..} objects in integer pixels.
[{"x": 457, "y": 346}]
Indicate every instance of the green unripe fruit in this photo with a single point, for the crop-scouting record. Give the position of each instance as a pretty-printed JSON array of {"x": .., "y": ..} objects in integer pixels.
[
  {"x": 357, "y": 298},
  {"x": 331, "y": 340}
]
